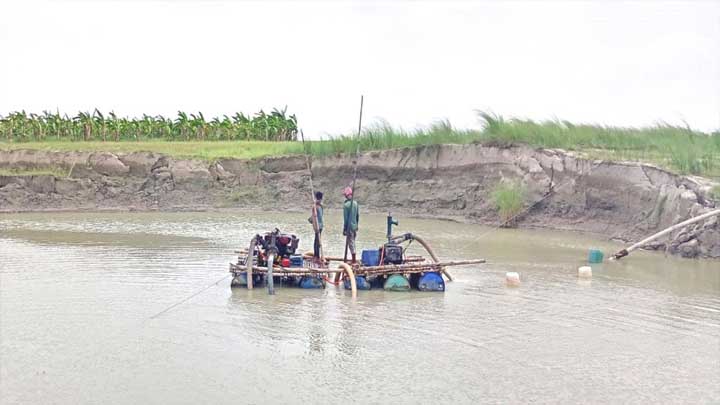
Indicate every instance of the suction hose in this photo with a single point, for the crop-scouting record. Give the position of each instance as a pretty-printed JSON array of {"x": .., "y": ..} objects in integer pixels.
[
  {"x": 432, "y": 254},
  {"x": 353, "y": 285}
]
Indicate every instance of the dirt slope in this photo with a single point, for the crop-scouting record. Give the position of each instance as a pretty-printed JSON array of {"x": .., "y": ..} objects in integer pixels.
[{"x": 618, "y": 200}]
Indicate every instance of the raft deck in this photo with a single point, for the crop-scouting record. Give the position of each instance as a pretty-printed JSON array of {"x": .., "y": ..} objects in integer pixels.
[{"x": 358, "y": 269}]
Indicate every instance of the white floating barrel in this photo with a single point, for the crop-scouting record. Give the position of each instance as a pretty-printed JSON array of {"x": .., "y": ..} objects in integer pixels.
[
  {"x": 585, "y": 272},
  {"x": 512, "y": 279}
]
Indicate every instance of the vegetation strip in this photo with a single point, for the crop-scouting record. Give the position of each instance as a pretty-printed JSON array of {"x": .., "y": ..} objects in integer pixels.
[
  {"x": 85, "y": 126},
  {"x": 680, "y": 149}
]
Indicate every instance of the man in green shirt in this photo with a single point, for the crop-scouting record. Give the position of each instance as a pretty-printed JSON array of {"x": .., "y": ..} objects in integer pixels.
[{"x": 351, "y": 217}]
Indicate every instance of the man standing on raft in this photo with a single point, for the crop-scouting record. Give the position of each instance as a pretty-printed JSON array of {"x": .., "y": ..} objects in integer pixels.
[
  {"x": 317, "y": 220},
  {"x": 351, "y": 217}
]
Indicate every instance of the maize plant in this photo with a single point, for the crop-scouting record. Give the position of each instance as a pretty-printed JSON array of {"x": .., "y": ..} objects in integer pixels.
[{"x": 96, "y": 126}]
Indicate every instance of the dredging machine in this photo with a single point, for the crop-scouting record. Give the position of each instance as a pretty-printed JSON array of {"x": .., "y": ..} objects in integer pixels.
[{"x": 273, "y": 259}]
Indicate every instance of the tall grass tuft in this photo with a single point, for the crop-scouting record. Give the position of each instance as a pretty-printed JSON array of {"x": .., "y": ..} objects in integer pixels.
[
  {"x": 678, "y": 148},
  {"x": 509, "y": 198},
  {"x": 715, "y": 193}
]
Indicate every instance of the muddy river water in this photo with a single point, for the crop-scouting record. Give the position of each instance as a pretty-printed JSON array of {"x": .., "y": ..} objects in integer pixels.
[{"x": 79, "y": 295}]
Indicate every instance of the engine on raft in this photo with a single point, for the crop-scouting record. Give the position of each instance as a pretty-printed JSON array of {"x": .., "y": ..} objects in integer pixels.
[{"x": 283, "y": 248}]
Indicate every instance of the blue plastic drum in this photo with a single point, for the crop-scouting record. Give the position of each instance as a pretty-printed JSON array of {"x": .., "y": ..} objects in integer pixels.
[
  {"x": 432, "y": 281},
  {"x": 360, "y": 281}
]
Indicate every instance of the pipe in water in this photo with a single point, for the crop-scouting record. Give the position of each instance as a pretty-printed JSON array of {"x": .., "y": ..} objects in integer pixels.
[
  {"x": 432, "y": 254},
  {"x": 251, "y": 251},
  {"x": 270, "y": 281},
  {"x": 353, "y": 284}
]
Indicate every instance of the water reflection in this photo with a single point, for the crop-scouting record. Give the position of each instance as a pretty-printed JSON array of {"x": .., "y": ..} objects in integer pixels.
[{"x": 77, "y": 327}]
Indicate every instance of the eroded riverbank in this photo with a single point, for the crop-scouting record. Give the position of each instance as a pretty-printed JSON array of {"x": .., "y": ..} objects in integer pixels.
[{"x": 622, "y": 201}]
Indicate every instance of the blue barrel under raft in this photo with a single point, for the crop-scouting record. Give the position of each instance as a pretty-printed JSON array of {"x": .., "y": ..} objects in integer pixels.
[
  {"x": 397, "y": 282},
  {"x": 311, "y": 282},
  {"x": 431, "y": 281},
  {"x": 240, "y": 280},
  {"x": 361, "y": 282}
]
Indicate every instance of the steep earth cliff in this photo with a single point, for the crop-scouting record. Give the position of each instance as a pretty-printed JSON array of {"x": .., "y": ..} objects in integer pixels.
[{"x": 623, "y": 201}]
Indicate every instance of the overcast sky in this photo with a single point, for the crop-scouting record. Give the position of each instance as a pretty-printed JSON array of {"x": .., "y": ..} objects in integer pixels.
[{"x": 614, "y": 63}]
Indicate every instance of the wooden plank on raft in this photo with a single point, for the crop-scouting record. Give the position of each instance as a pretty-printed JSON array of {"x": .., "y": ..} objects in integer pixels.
[
  {"x": 399, "y": 268},
  {"x": 369, "y": 270}
]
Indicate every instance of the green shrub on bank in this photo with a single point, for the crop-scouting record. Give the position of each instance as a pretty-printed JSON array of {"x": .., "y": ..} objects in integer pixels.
[
  {"x": 509, "y": 198},
  {"x": 715, "y": 193}
]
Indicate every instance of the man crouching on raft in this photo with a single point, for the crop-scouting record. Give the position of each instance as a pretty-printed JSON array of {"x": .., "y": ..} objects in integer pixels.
[{"x": 351, "y": 217}]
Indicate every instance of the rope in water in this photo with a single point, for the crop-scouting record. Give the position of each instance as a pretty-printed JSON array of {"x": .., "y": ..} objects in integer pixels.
[{"x": 184, "y": 300}]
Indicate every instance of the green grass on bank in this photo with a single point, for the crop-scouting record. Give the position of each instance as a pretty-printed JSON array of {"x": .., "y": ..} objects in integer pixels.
[
  {"x": 680, "y": 149},
  {"x": 207, "y": 150},
  {"x": 509, "y": 199}
]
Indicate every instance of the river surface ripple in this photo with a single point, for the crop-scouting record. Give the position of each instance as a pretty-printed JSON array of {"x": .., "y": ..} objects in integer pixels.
[{"x": 78, "y": 293}]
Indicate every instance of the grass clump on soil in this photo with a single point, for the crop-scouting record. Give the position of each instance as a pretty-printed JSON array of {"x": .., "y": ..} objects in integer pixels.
[
  {"x": 509, "y": 199},
  {"x": 677, "y": 148},
  {"x": 715, "y": 193}
]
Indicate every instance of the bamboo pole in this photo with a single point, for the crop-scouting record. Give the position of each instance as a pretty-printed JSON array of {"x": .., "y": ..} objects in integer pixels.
[
  {"x": 397, "y": 268},
  {"x": 315, "y": 224},
  {"x": 622, "y": 253},
  {"x": 357, "y": 156},
  {"x": 408, "y": 259}
]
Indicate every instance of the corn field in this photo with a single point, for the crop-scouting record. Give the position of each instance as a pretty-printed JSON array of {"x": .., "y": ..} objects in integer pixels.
[{"x": 96, "y": 126}]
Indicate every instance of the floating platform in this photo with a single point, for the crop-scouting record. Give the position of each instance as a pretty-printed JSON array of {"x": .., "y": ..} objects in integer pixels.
[
  {"x": 416, "y": 272},
  {"x": 388, "y": 267}
]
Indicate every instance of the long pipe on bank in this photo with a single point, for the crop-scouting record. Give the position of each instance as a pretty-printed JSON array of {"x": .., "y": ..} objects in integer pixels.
[{"x": 622, "y": 253}]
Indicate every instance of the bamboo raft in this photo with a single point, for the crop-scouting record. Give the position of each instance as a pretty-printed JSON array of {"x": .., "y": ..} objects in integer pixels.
[
  {"x": 247, "y": 271},
  {"x": 358, "y": 270}
]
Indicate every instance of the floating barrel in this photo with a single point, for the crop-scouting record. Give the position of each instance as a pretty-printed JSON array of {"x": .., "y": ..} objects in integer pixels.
[
  {"x": 240, "y": 280},
  {"x": 512, "y": 279},
  {"x": 585, "y": 272},
  {"x": 288, "y": 281},
  {"x": 431, "y": 281},
  {"x": 595, "y": 256},
  {"x": 311, "y": 282},
  {"x": 361, "y": 282},
  {"x": 397, "y": 282}
]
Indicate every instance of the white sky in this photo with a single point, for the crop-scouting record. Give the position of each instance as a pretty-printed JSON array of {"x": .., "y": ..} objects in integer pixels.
[{"x": 615, "y": 63}]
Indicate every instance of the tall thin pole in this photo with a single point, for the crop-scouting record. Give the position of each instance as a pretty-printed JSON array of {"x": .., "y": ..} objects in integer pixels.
[
  {"x": 357, "y": 155},
  {"x": 315, "y": 224}
]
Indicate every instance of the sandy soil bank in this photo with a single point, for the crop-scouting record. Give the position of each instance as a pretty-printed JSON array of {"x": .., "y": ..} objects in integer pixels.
[{"x": 619, "y": 200}]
